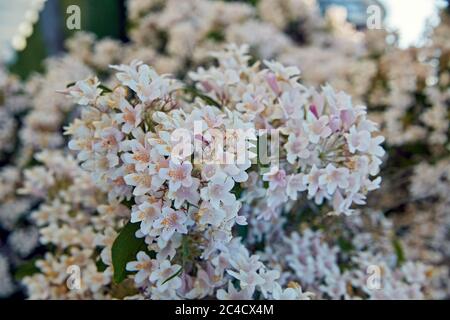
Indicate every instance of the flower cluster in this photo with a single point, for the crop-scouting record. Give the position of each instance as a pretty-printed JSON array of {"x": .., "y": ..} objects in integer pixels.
[
  {"x": 329, "y": 149},
  {"x": 137, "y": 142},
  {"x": 166, "y": 164},
  {"x": 68, "y": 221}
]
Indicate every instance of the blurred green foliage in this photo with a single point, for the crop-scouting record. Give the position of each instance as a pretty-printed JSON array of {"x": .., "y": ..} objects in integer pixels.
[
  {"x": 30, "y": 59},
  {"x": 102, "y": 17}
]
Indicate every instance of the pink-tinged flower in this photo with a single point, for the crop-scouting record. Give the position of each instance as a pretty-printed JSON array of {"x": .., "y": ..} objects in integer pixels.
[
  {"x": 146, "y": 213},
  {"x": 249, "y": 278},
  {"x": 140, "y": 156},
  {"x": 201, "y": 286},
  {"x": 250, "y": 104},
  {"x": 85, "y": 92},
  {"x": 212, "y": 117},
  {"x": 335, "y": 123},
  {"x": 320, "y": 196},
  {"x": 144, "y": 267},
  {"x": 109, "y": 140},
  {"x": 151, "y": 85},
  {"x": 291, "y": 293},
  {"x": 347, "y": 117},
  {"x": 269, "y": 277},
  {"x": 333, "y": 177},
  {"x": 312, "y": 180},
  {"x": 233, "y": 294},
  {"x": 212, "y": 171},
  {"x": 268, "y": 213},
  {"x": 162, "y": 143},
  {"x": 170, "y": 222},
  {"x": 314, "y": 111},
  {"x": 291, "y": 102},
  {"x": 128, "y": 74},
  {"x": 295, "y": 184},
  {"x": 241, "y": 220},
  {"x": 218, "y": 191},
  {"x": 177, "y": 174},
  {"x": 276, "y": 197},
  {"x": 358, "y": 140},
  {"x": 130, "y": 117},
  {"x": 142, "y": 182},
  {"x": 372, "y": 184},
  {"x": 374, "y": 166},
  {"x": 237, "y": 171},
  {"x": 190, "y": 194},
  {"x": 317, "y": 129},
  {"x": 339, "y": 203},
  {"x": 276, "y": 178},
  {"x": 208, "y": 214},
  {"x": 297, "y": 147},
  {"x": 271, "y": 80},
  {"x": 281, "y": 72}
]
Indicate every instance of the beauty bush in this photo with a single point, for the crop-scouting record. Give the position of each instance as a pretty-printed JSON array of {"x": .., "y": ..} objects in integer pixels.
[{"x": 188, "y": 209}]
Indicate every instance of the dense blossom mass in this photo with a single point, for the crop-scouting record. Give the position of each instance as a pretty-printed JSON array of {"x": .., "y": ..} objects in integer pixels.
[{"x": 128, "y": 140}]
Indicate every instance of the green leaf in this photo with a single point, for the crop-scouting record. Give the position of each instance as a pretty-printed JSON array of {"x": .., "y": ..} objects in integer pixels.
[
  {"x": 398, "y": 248},
  {"x": 124, "y": 250},
  {"x": 173, "y": 276},
  {"x": 237, "y": 190},
  {"x": 216, "y": 35},
  {"x": 242, "y": 231},
  {"x": 345, "y": 245},
  {"x": 104, "y": 88}
]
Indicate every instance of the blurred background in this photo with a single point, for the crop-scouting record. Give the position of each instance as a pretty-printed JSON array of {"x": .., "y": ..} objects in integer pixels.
[{"x": 31, "y": 30}]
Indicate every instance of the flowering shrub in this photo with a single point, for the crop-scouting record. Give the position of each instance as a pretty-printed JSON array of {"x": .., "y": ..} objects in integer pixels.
[
  {"x": 238, "y": 180},
  {"x": 17, "y": 237},
  {"x": 186, "y": 206}
]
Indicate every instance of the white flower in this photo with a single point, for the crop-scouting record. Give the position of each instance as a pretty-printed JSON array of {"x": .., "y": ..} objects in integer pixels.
[
  {"x": 144, "y": 267},
  {"x": 375, "y": 148},
  {"x": 249, "y": 279},
  {"x": 233, "y": 293},
  {"x": 333, "y": 177},
  {"x": 85, "y": 92},
  {"x": 177, "y": 174},
  {"x": 295, "y": 184},
  {"x": 358, "y": 140},
  {"x": 142, "y": 182},
  {"x": 162, "y": 276},
  {"x": 131, "y": 116},
  {"x": 292, "y": 102},
  {"x": 170, "y": 222},
  {"x": 218, "y": 191},
  {"x": 208, "y": 214},
  {"x": 276, "y": 178},
  {"x": 269, "y": 281},
  {"x": 140, "y": 156},
  {"x": 294, "y": 292},
  {"x": 145, "y": 213},
  {"x": 312, "y": 180},
  {"x": 190, "y": 194},
  {"x": 317, "y": 128},
  {"x": 297, "y": 147},
  {"x": 128, "y": 75}
]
